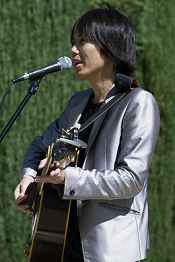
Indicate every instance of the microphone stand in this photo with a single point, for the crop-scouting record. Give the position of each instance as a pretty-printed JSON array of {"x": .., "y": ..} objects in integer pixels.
[{"x": 31, "y": 91}]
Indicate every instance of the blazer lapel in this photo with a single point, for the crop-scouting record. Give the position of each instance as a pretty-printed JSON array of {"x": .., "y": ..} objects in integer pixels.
[
  {"x": 76, "y": 112},
  {"x": 99, "y": 120}
]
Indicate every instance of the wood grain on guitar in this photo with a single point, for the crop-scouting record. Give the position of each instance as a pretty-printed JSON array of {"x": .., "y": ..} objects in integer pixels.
[{"x": 51, "y": 213}]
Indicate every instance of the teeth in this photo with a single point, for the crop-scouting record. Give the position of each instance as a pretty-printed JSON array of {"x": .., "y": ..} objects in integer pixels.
[{"x": 76, "y": 63}]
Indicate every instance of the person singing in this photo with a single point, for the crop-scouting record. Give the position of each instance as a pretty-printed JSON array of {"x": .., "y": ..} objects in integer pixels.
[{"x": 108, "y": 188}]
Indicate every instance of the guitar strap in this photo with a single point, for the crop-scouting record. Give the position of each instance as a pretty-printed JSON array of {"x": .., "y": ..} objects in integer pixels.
[{"x": 124, "y": 84}]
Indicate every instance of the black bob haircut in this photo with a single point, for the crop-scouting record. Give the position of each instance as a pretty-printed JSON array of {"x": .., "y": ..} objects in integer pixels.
[{"x": 113, "y": 33}]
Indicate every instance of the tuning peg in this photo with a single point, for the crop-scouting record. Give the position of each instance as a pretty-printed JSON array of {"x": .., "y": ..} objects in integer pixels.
[
  {"x": 63, "y": 164},
  {"x": 67, "y": 161},
  {"x": 25, "y": 253},
  {"x": 27, "y": 244},
  {"x": 72, "y": 157}
]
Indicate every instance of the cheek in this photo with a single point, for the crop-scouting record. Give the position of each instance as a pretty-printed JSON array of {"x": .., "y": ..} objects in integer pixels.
[{"x": 92, "y": 56}]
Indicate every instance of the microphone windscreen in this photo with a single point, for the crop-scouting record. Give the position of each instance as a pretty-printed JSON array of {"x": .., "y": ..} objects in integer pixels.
[{"x": 66, "y": 63}]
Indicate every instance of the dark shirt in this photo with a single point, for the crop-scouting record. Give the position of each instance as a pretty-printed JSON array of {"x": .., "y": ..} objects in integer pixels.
[{"x": 73, "y": 250}]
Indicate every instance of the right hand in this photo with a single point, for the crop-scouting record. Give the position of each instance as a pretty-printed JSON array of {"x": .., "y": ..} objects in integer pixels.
[{"x": 24, "y": 194}]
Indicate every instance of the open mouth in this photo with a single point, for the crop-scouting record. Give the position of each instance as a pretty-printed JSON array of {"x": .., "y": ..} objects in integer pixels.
[{"x": 77, "y": 63}]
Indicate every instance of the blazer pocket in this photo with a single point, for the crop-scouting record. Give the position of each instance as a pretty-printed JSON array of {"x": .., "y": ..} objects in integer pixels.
[{"x": 117, "y": 208}]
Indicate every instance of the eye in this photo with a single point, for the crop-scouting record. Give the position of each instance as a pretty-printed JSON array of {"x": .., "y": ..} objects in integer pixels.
[
  {"x": 78, "y": 40},
  {"x": 82, "y": 39}
]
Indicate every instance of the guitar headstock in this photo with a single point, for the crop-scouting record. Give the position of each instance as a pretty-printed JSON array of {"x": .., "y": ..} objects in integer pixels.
[{"x": 66, "y": 146}]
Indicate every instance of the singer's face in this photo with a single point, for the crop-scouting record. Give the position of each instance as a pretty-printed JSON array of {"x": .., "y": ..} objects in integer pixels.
[{"x": 88, "y": 62}]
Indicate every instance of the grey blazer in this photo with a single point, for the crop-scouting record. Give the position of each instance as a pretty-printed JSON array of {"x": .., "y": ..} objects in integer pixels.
[{"x": 111, "y": 188}]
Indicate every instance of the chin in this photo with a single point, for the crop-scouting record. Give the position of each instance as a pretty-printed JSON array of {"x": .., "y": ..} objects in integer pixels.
[{"x": 82, "y": 77}]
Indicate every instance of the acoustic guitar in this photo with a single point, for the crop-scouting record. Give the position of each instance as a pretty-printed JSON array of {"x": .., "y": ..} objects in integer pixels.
[{"x": 51, "y": 213}]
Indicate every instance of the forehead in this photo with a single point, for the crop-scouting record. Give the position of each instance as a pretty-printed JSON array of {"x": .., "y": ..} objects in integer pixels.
[{"x": 79, "y": 29}]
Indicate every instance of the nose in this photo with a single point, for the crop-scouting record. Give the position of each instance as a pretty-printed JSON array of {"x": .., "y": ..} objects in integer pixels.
[{"x": 74, "y": 51}]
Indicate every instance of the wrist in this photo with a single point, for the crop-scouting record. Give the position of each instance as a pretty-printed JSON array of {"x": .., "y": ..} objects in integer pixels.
[{"x": 28, "y": 177}]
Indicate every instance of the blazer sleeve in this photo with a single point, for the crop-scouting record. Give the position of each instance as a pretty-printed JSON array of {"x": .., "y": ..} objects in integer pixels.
[
  {"x": 140, "y": 130},
  {"x": 38, "y": 148}
]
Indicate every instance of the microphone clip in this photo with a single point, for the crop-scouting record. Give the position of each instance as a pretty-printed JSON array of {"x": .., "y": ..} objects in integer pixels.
[{"x": 34, "y": 85}]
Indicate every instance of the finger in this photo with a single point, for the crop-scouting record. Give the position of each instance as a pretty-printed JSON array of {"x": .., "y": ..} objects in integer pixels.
[
  {"x": 56, "y": 164},
  {"x": 19, "y": 195},
  {"x": 16, "y": 192},
  {"x": 57, "y": 172},
  {"x": 21, "y": 198},
  {"x": 42, "y": 163},
  {"x": 25, "y": 208},
  {"x": 44, "y": 179},
  {"x": 22, "y": 207},
  {"x": 58, "y": 176},
  {"x": 30, "y": 210}
]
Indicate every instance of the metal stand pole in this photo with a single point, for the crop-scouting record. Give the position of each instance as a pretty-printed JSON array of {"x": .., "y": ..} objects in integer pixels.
[{"x": 31, "y": 91}]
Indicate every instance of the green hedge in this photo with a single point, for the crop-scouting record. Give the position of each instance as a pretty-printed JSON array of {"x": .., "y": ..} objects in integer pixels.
[{"x": 36, "y": 33}]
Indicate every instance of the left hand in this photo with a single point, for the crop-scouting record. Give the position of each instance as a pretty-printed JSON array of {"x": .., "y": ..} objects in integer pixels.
[{"x": 56, "y": 175}]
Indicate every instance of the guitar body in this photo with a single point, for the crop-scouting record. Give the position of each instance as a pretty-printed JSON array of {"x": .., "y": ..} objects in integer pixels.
[{"x": 50, "y": 224}]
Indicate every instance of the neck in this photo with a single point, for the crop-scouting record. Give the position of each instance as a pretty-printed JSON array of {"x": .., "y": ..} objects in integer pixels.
[{"x": 101, "y": 89}]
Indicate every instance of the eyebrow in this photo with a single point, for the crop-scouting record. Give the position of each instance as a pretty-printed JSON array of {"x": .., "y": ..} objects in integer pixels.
[{"x": 77, "y": 36}]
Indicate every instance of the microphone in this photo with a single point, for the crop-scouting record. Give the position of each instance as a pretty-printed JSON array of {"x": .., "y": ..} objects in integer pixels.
[{"x": 62, "y": 64}]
